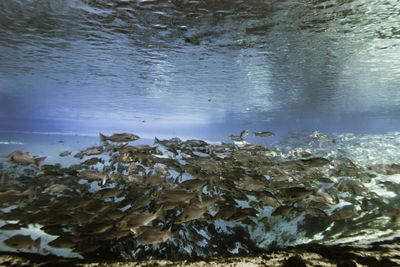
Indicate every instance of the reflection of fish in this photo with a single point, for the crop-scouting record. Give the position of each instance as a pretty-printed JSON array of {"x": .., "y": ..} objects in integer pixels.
[
  {"x": 92, "y": 175},
  {"x": 25, "y": 158},
  {"x": 263, "y": 134},
  {"x": 22, "y": 241},
  {"x": 119, "y": 137}
]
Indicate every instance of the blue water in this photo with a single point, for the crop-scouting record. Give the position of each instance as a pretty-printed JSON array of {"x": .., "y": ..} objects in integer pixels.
[
  {"x": 199, "y": 69},
  {"x": 70, "y": 69}
]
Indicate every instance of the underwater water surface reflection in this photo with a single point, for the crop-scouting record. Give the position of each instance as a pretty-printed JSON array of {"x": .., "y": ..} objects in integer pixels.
[{"x": 199, "y": 69}]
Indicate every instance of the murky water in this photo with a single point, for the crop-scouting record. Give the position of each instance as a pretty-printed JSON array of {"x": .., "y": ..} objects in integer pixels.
[{"x": 205, "y": 69}]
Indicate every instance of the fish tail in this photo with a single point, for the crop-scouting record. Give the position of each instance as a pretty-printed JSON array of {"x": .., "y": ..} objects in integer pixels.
[
  {"x": 104, "y": 180},
  {"x": 36, "y": 243},
  {"x": 156, "y": 140},
  {"x": 160, "y": 214},
  {"x": 200, "y": 198},
  {"x": 38, "y": 161},
  {"x": 102, "y": 137},
  {"x": 30, "y": 192}
]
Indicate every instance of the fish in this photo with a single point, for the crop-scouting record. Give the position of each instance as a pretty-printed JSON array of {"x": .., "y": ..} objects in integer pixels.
[
  {"x": 387, "y": 169},
  {"x": 12, "y": 196},
  {"x": 169, "y": 143},
  {"x": 242, "y": 214},
  {"x": 251, "y": 184},
  {"x": 13, "y": 226},
  {"x": 56, "y": 188},
  {"x": 25, "y": 158},
  {"x": 155, "y": 180},
  {"x": 282, "y": 210},
  {"x": 175, "y": 195},
  {"x": 153, "y": 235},
  {"x": 119, "y": 137},
  {"x": 224, "y": 213},
  {"x": 195, "y": 143},
  {"x": 204, "y": 201},
  {"x": 327, "y": 197},
  {"x": 86, "y": 247},
  {"x": 95, "y": 228},
  {"x": 352, "y": 186},
  {"x": 294, "y": 193},
  {"x": 65, "y": 153},
  {"x": 160, "y": 170},
  {"x": 141, "y": 201},
  {"x": 192, "y": 185},
  {"x": 315, "y": 212},
  {"x": 190, "y": 213},
  {"x": 244, "y": 133},
  {"x": 92, "y": 175},
  {"x": 107, "y": 193},
  {"x": 65, "y": 241},
  {"x": 342, "y": 213},
  {"x": 137, "y": 219},
  {"x": 321, "y": 136},
  {"x": 235, "y": 138},
  {"x": 22, "y": 242},
  {"x": 90, "y": 151},
  {"x": 299, "y": 153},
  {"x": 263, "y": 134},
  {"x": 93, "y": 161}
]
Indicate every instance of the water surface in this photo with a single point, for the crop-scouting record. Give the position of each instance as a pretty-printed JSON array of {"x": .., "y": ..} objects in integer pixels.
[{"x": 199, "y": 68}]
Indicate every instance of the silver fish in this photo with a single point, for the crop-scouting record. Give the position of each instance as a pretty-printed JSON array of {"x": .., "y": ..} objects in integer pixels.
[
  {"x": 93, "y": 175},
  {"x": 119, "y": 137},
  {"x": 25, "y": 158},
  {"x": 263, "y": 134}
]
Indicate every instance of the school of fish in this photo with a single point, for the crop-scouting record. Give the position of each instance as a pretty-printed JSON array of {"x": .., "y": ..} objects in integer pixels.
[{"x": 150, "y": 195}]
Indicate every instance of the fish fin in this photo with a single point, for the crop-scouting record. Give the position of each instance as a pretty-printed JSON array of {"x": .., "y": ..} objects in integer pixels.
[
  {"x": 103, "y": 182},
  {"x": 160, "y": 214},
  {"x": 244, "y": 133},
  {"x": 36, "y": 243},
  {"x": 200, "y": 198},
  {"x": 156, "y": 140},
  {"x": 103, "y": 138},
  {"x": 38, "y": 161},
  {"x": 30, "y": 192}
]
